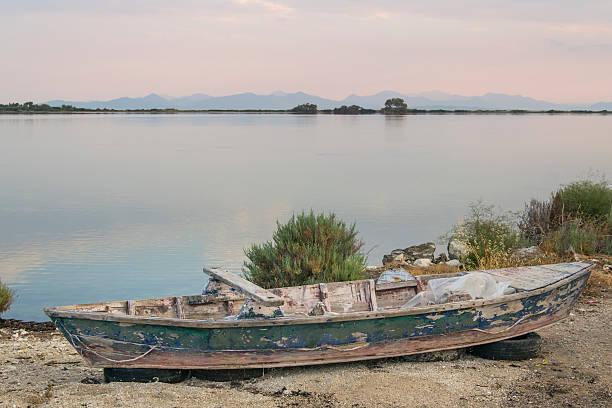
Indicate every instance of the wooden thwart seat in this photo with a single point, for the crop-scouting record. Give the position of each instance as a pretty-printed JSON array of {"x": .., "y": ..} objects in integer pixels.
[{"x": 260, "y": 294}]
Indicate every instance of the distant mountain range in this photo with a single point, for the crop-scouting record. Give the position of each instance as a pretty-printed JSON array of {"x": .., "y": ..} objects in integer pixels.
[{"x": 282, "y": 100}]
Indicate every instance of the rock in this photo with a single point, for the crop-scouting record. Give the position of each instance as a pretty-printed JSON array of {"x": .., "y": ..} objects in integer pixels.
[
  {"x": 410, "y": 254},
  {"x": 442, "y": 258},
  {"x": 425, "y": 250},
  {"x": 397, "y": 255},
  {"x": 422, "y": 262},
  {"x": 525, "y": 253},
  {"x": 453, "y": 262},
  {"x": 457, "y": 249}
]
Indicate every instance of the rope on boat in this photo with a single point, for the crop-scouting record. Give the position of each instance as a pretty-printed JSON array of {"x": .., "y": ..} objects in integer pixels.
[
  {"x": 86, "y": 347},
  {"x": 510, "y": 327},
  {"x": 330, "y": 347}
]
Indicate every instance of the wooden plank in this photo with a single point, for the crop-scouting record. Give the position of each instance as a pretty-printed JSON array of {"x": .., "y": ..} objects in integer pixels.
[
  {"x": 568, "y": 268},
  {"x": 180, "y": 311},
  {"x": 396, "y": 285},
  {"x": 130, "y": 307},
  {"x": 394, "y": 298},
  {"x": 299, "y": 299},
  {"x": 162, "y": 307},
  {"x": 260, "y": 294},
  {"x": 350, "y": 296},
  {"x": 528, "y": 278},
  {"x": 371, "y": 294},
  {"x": 205, "y": 311}
]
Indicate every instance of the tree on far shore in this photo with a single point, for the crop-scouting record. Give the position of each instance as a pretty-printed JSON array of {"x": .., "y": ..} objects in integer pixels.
[
  {"x": 352, "y": 110},
  {"x": 395, "y": 106},
  {"x": 305, "y": 108}
]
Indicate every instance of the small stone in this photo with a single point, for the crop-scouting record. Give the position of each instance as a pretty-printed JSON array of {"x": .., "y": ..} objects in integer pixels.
[
  {"x": 453, "y": 262},
  {"x": 397, "y": 255},
  {"x": 457, "y": 249},
  {"x": 442, "y": 258}
]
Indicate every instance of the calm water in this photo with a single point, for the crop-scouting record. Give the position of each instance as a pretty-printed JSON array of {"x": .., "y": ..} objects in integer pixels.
[{"x": 106, "y": 207}]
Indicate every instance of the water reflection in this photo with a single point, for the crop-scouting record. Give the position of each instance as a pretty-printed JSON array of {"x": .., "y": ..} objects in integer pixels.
[{"x": 102, "y": 207}]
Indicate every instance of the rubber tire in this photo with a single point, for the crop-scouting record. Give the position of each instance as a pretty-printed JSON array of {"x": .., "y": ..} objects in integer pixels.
[
  {"x": 518, "y": 348},
  {"x": 228, "y": 375},
  {"x": 144, "y": 375}
]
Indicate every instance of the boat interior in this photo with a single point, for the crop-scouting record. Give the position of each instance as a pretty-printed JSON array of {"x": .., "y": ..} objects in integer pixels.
[
  {"x": 228, "y": 296},
  {"x": 220, "y": 300}
]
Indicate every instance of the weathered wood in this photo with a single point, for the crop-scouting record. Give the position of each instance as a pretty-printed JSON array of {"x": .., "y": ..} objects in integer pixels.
[
  {"x": 130, "y": 307},
  {"x": 371, "y": 294},
  {"x": 390, "y": 298},
  {"x": 178, "y": 303},
  {"x": 346, "y": 297},
  {"x": 321, "y": 340},
  {"x": 77, "y": 311},
  {"x": 217, "y": 291},
  {"x": 528, "y": 278},
  {"x": 396, "y": 285},
  {"x": 260, "y": 294},
  {"x": 324, "y": 296},
  {"x": 298, "y": 299}
]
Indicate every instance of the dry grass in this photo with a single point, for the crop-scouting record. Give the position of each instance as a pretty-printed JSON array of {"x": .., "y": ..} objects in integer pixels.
[
  {"x": 497, "y": 262},
  {"x": 434, "y": 269},
  {"x": 598, "y": 284}
]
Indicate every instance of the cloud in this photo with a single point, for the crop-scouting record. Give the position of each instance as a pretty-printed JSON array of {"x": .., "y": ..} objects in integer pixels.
[
  {"x": 382, "y": 15},
  {"x": 223, "y": 47},
  {"x": 275, "y": 9}
]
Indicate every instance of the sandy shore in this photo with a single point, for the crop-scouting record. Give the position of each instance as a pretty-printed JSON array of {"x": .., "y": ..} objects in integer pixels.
[{"x": 42, "y": 369}]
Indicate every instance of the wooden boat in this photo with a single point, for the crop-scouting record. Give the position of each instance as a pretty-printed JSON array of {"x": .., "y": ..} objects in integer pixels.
[{"x": 312, "y": 324}]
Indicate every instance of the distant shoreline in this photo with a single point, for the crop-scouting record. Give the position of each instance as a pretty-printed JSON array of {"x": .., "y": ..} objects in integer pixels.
[{"x": 320, "y": 112}]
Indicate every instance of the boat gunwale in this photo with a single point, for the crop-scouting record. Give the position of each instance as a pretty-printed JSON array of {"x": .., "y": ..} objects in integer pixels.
[{"x": 294, "y": 320}]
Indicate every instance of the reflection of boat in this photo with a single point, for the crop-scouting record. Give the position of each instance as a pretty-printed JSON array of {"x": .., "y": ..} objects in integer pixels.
[{"x": 313, "y": 324}]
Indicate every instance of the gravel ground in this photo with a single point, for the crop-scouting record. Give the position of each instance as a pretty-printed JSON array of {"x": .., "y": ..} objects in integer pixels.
[{"x": 40, "y": 368}]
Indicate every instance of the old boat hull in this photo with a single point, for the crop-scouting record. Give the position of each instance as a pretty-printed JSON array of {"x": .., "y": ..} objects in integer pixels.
[{"x": 128, "y": 341}]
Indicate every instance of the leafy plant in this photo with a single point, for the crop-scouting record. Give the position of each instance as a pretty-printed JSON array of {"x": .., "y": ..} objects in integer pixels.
[
  {"x": 6, "y": 297},
  {"x": 575, "y": 218},
  {"x": 307, "y": 249},
  {"x": 578, "y": 235},
  {"x": 587, "y": 199},
  {"x": 488, "y": 235}
]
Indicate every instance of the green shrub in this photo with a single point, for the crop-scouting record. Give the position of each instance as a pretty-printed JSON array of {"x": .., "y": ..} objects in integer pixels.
[
  {"x": 307, "y": 249},
  {"x": 6, "y": 297},
  {"x": 579, "y": 235},
  {"x": 309, "y": 108},
  {"x": 587, "y": 199},
  {"x": 577, "y": 217},
  {"x": 489, "y": 236}
]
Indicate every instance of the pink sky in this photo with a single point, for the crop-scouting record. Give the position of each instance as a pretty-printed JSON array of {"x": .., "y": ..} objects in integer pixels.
[{"x": 560, "y": 51}]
